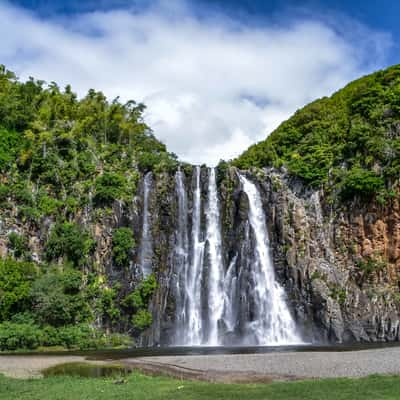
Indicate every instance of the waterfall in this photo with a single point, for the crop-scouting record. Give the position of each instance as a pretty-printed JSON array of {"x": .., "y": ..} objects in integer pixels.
[
  {"x": 215, "y": 273},
  {"x": 271, "y": 323},
  {"x": 230, "y": 296},
  {"x": 146, "y": 250},
  {"x": 181, "y": 256},
  {"x": 194, "y": 325},
  {"x": 242, "y": 304}
]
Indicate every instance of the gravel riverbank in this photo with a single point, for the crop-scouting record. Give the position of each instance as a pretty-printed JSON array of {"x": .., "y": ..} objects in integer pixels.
[
  {"x": 275, "y": 366},
  {"x": 233, "y": 367}
]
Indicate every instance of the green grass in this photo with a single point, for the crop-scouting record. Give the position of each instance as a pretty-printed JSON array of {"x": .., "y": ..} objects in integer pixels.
[{"x": 140, "y": 387}]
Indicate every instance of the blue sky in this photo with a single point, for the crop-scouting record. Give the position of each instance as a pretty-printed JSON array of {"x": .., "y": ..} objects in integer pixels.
[{"x": 216, "y": 75}]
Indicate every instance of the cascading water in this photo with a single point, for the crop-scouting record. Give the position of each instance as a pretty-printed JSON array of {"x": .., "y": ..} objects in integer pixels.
[
  {"x": 181, "y": 269},
  {"x": 272, "y": 323},
  {"x": 216, "y": 270},
  {"x": 146, "y": 248},
  {"x": 230, "y": 297},
  {"x": 242, "y": 304},
  {"x": 193, "y": 324}
]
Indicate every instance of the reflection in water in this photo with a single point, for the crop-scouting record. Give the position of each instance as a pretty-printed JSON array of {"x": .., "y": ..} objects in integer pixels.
[
  {"x": 202, "y": 350},
  {"x": 86, "y": 370}
]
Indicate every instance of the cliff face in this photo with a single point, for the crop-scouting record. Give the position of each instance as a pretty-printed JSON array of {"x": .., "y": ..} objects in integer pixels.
[{"x": 338, "y": 266}]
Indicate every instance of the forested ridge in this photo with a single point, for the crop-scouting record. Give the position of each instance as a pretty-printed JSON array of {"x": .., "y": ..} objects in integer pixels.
[
  {"x": 348, "y": 143},
  {"x": 60, "y": 155}
]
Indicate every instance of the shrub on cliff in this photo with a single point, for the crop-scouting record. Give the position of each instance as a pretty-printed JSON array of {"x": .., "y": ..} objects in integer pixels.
[
  {"x": 71, "y": 241},
  {"x": 362, "y": 183},
  {"x": 137, "y": 303},
  {"x": 108, "y": 188},
  {"x": 142, "y": 320},
  {"x": 18, "y": 244},
  {"x": 122, "y": 246}
]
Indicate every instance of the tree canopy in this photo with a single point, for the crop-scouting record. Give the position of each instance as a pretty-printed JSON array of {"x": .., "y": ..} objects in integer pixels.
[{"x": 349, "y": 141}]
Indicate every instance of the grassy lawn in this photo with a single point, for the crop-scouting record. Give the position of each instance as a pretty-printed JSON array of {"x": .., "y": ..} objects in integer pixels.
[{"x": 140, "y": 387}]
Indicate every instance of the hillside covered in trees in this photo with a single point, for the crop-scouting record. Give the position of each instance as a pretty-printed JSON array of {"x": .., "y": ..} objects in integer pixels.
[
  {"x": 59, "y": 157},
  {"x": 348, "y": 143}
]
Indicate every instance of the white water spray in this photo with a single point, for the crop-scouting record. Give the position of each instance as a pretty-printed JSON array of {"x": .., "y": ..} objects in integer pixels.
[
  {"x": 146, "y": 251},
  {"x": 193, "y": 334},
  {"x": 215, "y": 275},
  {"x": 272, "y": 323}
]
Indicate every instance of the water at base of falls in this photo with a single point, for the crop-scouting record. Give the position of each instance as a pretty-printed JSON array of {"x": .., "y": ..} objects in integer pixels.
[{"x": 212, "y": 299}]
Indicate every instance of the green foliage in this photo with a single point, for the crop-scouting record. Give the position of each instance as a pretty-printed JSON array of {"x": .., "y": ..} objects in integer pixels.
[
  {"x": 361, "y": 182},
  {"x": 339, "y": 294},
  {"x": 122, "y": 246},
  {"x": 141, "y": 296},
  {"x": 49, "y": 205},
  {"x": 355, "y": 130},
  {"x": 54, "y": 146},
  {"x": 134, "y": 300},
  {"x": 59, "y": 156},
  {"x": 58, "y": 299},
  {"x": 142, "y": 320},
  {"x": 4, "y": 193},
  {"x": 108, "y": 188},
  {"x": 10, "y": 142},
  {"x": 316, "y": 275},
  {"x": 137, "y": 303},
  {"x": 108, "y": 303},
  {"x": 369, "y": 265},
  {"x": 222, "y": 169},
  {"x": 16, "y": 278},
  {"x": 71, "y": 241},
  {"x": 15, "y": 336},
  {"x": 18, "y": 244},
  {"x": 29, "y": 336}
]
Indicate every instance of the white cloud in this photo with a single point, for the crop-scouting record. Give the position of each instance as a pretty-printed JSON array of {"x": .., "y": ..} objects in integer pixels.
[{"x": 212, "y": 86}]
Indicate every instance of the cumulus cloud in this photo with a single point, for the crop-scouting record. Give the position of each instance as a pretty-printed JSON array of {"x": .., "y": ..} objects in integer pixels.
[{"x": 212, "y": 85}]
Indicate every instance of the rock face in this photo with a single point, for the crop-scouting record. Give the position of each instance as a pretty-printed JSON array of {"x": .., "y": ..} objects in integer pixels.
[{"x": 338, "y": 265}]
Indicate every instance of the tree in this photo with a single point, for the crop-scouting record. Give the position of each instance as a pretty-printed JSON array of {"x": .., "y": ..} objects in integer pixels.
[
  {"x": 58, "y": 298},
  {"x": 122, "y": 246},
  {"x": 108, "y": 188},
  {"x": 70, "y": 241},
  {"x": 16, "y": 278}
]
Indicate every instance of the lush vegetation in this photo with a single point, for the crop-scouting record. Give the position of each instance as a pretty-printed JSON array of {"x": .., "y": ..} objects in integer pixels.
[
  {"x": 122, "y": 245},
  {"x": 136, "y": 303},
  {"x": 58, "y": 152},
  {"x": 65, "y": 162},
  {"x": 27, "y": 335},
  {"x": 349, "y": 143},
  {"x": 141, "y": 387},
  {"x": 42, "y": 307}
]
